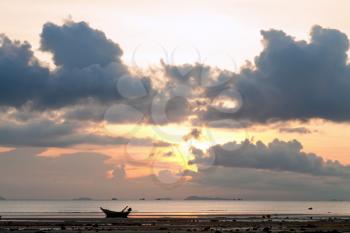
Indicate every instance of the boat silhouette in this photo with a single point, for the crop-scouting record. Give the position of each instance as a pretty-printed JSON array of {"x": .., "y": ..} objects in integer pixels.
[{"x": 116, "y": 214}]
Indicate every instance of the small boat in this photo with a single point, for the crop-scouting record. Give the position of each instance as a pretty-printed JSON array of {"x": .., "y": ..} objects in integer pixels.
[{"x": 116, "y": 214}]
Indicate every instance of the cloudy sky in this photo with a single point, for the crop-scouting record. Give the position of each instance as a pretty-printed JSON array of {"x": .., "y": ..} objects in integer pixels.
[{"x": 151, "y": 99}]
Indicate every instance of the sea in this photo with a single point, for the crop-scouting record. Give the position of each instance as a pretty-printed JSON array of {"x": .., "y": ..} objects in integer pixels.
[{"x": 169, "y": 208}]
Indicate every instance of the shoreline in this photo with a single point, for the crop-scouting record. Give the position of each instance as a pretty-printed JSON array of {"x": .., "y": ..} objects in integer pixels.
[
  {"x": 99, "y": 215},
  {"x": 238, "y": 223},
  {"x": 134, "y": 217}
]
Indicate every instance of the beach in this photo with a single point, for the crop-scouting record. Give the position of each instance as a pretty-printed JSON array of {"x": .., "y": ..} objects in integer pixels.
[
  {"x": 175, "y": 216},
  {"x": 251, "y": 223}
]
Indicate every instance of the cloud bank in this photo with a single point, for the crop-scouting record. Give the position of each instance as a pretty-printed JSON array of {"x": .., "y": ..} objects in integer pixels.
[
  {"x": 275, "y": 156},
  {"x": 289, "y": 80},
  {"x": 311, "y": 78},
  {"x": 88, "y": 65},
  {"x": 300, "y": 80}
]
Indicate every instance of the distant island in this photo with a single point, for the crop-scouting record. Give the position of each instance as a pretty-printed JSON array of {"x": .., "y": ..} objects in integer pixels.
[
  {"x": 114, "y": 199},
  {"x": 2, "y": 198},
  {"x": 83, "y": 199},
  {"x": 211, "y": 198},
  {"x": 163, "y": 199}
]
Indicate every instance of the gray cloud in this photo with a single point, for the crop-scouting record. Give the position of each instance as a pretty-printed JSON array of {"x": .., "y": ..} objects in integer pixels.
[
  {"x": 297, "y": 79},
  {"x": 45, "y": 133},
  {"x": 93, "y": 112},
  {"x": 88, "y": 63},
  {"x": 311, "y": 78},
  {"x": 194, "y": 133},
  {"x": 22, "y": 78},
  {"x": 298, "y": 130},
  {"x": 276, "y": 156},
  {"x": 77, "y": 45},
  {"x": 197, "y": 75}
]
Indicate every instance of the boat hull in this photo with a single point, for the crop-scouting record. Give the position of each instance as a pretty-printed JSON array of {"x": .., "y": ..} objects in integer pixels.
[{"x": 114, "y": 214}]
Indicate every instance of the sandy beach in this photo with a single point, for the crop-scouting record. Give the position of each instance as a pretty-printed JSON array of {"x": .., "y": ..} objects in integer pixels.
[{"x": 256, "y": 223}]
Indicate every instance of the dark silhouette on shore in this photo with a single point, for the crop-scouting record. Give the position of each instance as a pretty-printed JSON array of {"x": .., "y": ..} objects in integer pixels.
[{"x": 117, "y": 214}]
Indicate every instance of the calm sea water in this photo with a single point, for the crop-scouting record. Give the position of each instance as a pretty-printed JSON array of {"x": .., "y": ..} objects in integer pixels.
[{"x": 169, "y": 208}]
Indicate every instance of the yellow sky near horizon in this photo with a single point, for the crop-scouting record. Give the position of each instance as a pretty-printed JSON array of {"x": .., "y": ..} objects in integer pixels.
[{"x": 327, "y": 139}]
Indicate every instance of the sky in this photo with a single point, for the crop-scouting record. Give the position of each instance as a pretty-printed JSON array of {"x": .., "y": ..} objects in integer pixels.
[{"x": 148, "y": 99}]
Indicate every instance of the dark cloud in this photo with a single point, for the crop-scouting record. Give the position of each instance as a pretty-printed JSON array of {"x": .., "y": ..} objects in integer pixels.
[
  {"x": 195, "y": 133},
  {"x": 89, "y": 66},
  {"x": 45, "y": 133},
  {"x": 123, "y": 113},
  {"x": 77, "y": 45},
  {"x": 63, "y": 128},
  {"x": 88, "y": 112},
  {"x": 277, "y": 171},
  {"x": 290, "y": 79},
  {"x": 276, "y": 156},
  {"x": 177, "y": 109},
  {"x": 295, "y": 79},
  {"x": 22, "y": 78},
  {"x": 70, "y": 87},
  {"x": 197, "y": 75},
  {"x": 230, "y": 123},
  {"x": 298, "y": 130}
]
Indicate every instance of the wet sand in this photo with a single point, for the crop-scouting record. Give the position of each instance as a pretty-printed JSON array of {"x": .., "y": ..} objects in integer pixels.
[{"x": 185, "y": 224}]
